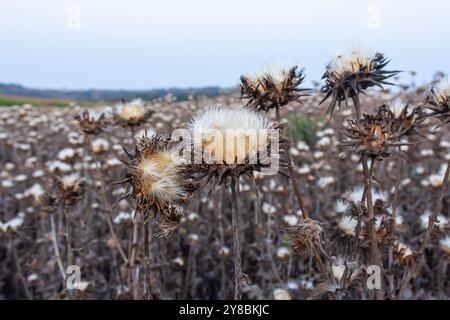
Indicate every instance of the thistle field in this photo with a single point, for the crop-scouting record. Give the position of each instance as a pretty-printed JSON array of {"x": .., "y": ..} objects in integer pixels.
[{"x": 68, "y": 230}]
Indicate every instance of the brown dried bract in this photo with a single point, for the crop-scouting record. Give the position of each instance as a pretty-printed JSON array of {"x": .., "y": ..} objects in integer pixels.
[
  {"x": 306, "y": 237},
  {"x": 379, "y": 135},
  {"x": 266, "y": 92},
  {"x": 153, "y": 179},
  {"x": 342, "y": 86},
  {"x": 90, "y": 124}
]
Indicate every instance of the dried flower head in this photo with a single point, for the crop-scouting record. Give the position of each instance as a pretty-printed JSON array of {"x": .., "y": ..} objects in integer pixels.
[
  {"x": 403, "y": 252},
  {"x": 306, "y": 237},
  {"x": 132, "y": 114},
  {"x": 228, "y": 142},
  {"x": 438, "y": 101},
  {"x": 66, "y": 190},
  {"x": 349, "y": 75},
  {"x": 12, "y": 225},
  {"x": 91, "y": 122},
  {"x": 100, "y": 145},
  {"x": 379, "y": 135},
  {"x": 154, "y": 175},
  {"x": 71, "y": 188},
  {"x": 405, "y": 119},
  {"x": 347, "y": 224},
  {"x": 272, "y": 88},
  {"x": 281, "y": 294},
  {"x": 171, "y": 219}
]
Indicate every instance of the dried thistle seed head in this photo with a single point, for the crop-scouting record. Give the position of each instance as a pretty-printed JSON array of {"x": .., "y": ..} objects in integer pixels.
[
  {"x": 12, "y": 225},
  {"x": 228, "y": 134},
  {"x": 347, "y": 225},
  {"x": 272, "y": 87},
  {"x": 438, "y": 101},
  {"x": 379, "y": 135},
  {"x": 403, "y": 252},
  {"x": 70, "y": 188},
  {"x": 404, "y": 119},
  {"x": 132, "y": 114},
  {"x": 154, "y": 175},
  {"x": 171, "y": 219},
  {"x": 100, "y": 145},
  {"x": 349, "y": 75},
  {"x": 91, "y": 122},
  {"x": 232, "y": 141},
  {"x": 49, "y": 202},
  {"x": 306, "y": 237}
]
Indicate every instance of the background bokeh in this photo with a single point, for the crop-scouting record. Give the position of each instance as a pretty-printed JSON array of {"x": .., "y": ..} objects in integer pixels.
[{"x": 137, "y": 44}]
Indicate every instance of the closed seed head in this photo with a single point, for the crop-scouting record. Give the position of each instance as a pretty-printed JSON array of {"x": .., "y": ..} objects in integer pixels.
[{"x": 306, "y": 237}]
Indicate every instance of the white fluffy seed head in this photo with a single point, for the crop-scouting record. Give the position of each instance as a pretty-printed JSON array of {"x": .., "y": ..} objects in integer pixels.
[
  {"x": 100, "y": 145},
  {"x": 66, "y": 154},
  {"x": 341, "y": 206},
  {"x": 352, "y": 61},
  {"x": 355, "y": 195},
  {"x": 397, "y": 106},
  {"x": 347, "y": 225},
  {"x": 132, "y": 111},
  {"x": 159, "y": 178},
  {"x": 278, "y": 73},
  {"x": 441, "y": 92},
  {"x": 70, "y": 180},
  {"x": 231, "y": 135},
  {"x": 281, "y": 294}
]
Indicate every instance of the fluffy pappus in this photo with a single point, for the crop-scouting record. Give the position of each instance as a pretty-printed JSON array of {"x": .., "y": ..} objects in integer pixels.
[
  {"x": 273, "y": 87},
  {"x": 154, "y": 175},
  {"x": 230, "y": 142},
  {"x": 349, "y": 75}
]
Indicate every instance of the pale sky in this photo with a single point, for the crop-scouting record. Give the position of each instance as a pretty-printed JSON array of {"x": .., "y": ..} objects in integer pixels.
[{"x": 138, "y": 44}]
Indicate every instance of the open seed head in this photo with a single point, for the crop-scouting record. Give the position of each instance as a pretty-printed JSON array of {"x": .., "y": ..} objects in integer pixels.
[
  {"x": 379, "y": 135},
  {"x": 438, "y": 101},
  {"x": 133, "y": 113},
  {"x": 276, "y": 86},
  {"x": 231, "y": 141},
  {"x": 91, "y": 122},
  {"x": 69, "y": 189},
  {"x": 351, "y": 74},
  {"x": 154, "y": 175}
]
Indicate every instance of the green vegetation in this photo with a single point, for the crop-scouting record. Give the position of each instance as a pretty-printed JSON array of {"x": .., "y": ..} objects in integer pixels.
[
  {"x": 303, "y": 127},
  {"x": 7, "y": 100}
]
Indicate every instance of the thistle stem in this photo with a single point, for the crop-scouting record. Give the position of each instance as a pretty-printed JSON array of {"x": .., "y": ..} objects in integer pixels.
[
  {"x": 375, "y": 258},
  {"x": 107, "y": 208},
  {"x": 437, "y": 208},
  {"x": 56, "y": 247},
  {"x": 236, "y": 244},
  {"x": 427, "y": 236},
  {"x": 147, "y": 284},
  {"x": 69, "y": 248},
  {"x": 393, "y": 216},
  {"x": 293, "y": 175}
]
